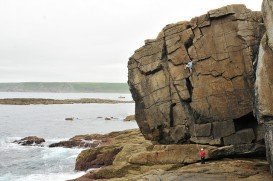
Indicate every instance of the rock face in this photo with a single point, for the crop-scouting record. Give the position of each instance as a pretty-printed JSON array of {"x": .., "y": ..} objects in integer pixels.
[
  {"x": 213, "y": 104},
  {"x": 264, "y": 80},
  {"x": 269, "y": 144},
  {"x": 30, "y": 140},
  {"x": 264, "y": 74}
]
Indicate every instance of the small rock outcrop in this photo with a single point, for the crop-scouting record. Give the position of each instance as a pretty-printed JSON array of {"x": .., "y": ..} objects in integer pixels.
[
  {"x": 130, "y": 118},
  {"x": 30, "y": 141},
  {"x": 110, "y": 145},
  {"x": 76, "y": 143},
  {"x": 213, "y": 104}
]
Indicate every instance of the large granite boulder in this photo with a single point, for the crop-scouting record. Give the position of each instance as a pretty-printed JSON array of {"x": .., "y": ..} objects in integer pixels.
[{"x": 213, "y": 104}]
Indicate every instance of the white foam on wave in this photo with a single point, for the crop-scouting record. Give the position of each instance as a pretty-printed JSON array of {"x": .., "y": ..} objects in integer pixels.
[
  {"x": 59, "y": 152},
  {"x": 73, "y": 156},
  {"x": 55, "y": 163},
  {"x": 55, "y": 140},
  {"x": 42, "y": 177},
  {"x": 6, "y": 144}
]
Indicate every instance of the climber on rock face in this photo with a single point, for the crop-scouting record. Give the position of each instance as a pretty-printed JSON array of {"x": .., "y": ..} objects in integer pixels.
[
  {"x": 189, "y": 66},
  {"x": 202, "y": 155}
]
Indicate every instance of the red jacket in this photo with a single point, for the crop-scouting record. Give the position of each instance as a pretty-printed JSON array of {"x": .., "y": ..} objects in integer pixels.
[{"x": 202, "y": 154}]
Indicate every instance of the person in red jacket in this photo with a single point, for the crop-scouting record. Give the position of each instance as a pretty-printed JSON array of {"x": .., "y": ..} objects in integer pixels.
[{"x": 202, "y": 155}]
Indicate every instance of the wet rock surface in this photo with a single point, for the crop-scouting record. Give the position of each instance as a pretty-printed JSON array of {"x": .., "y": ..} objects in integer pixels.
[
  {"x": 30, "y": 141},
  {"x": 82, "y": 141},
  {"x": 215, "y": 100},
  {"x": 75, "y": 143}
]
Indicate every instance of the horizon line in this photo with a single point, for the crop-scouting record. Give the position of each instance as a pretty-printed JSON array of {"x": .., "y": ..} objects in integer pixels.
[{"x": 62, "y": 82}]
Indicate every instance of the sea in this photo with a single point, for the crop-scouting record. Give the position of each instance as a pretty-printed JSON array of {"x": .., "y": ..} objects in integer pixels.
[{"x": 41, "y": 163}]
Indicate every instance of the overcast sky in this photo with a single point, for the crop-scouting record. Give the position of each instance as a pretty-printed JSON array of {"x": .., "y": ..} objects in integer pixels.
[{"x": 85, "y": 40}]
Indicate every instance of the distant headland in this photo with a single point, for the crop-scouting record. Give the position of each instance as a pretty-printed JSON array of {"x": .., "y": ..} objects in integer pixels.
[{"x": 65, "y": 87}]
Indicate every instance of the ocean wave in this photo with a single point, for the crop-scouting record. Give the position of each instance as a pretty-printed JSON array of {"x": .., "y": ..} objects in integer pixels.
[
  {"x": 6, "y": 143},
  {"x": 42, "y": 177},
  {"x": 59, "y": 152},
  {"x": 27, "y": 163}
]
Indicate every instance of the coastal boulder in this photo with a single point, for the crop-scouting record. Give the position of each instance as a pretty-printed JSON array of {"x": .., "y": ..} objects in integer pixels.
[
  {"x": 30, "y": 141},
  {"x": 95, "y": 158},
  {"x": 214, "y": 101},
  {"x": 130, "y": 118}
]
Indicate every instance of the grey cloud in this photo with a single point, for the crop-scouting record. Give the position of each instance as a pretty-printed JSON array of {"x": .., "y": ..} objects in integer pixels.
[{"x": 84, "y": 40}]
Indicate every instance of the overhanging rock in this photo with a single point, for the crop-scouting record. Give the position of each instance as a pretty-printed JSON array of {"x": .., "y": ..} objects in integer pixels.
[{"x": 215, "y": 101}]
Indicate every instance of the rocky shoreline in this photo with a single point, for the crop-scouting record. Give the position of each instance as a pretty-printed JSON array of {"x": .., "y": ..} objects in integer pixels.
[
  {"x": 126, "y": 155},
  {"x": 222, "y": 104},
  {"x": 35, "y": 101}
]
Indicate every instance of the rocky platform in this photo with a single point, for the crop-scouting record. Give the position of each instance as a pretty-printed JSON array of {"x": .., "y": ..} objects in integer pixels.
[{"x": 126, "y": 155}]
